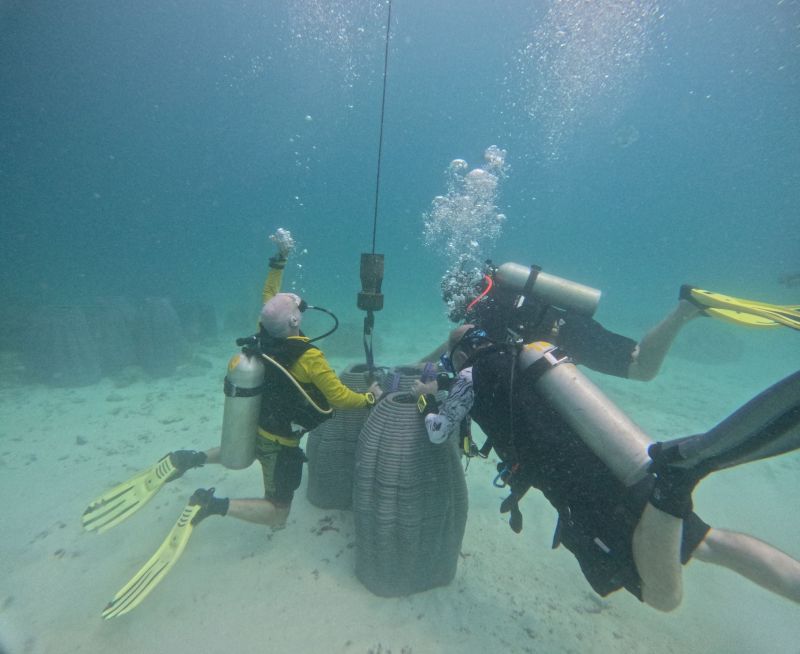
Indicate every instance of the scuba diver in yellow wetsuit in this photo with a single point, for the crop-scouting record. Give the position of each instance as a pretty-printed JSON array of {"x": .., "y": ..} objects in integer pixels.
[{"x": 297, "y": 391}]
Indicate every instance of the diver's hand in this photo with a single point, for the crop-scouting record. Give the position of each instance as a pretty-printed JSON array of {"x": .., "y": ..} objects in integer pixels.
[
  {"x": 424, "y": 388},
  {"x": 376, "y": 390},
  {"x": 283, "y": 241}
]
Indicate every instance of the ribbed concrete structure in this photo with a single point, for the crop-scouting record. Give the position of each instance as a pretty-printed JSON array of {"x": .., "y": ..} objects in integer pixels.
[
  {"x": 331, "y": 449},
  {"x": 59, "y": 349},
  {"x": 409, "y": 502},
  {"x": 111, "y": 321},
  {"x": 160, "y": 344}
]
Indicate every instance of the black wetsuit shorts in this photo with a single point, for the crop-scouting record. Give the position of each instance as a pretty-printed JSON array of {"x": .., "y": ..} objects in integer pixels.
[
  {"x": 590, "y": 344},
  {"x": 601, "y": 538},
  {"x": 282, "y": 469}
]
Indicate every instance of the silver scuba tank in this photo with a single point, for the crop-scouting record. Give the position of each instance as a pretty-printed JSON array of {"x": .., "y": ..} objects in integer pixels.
[
  {"x": 549, "y": 289},
  {"x": 243, "y": 389},
  {"x": 608, "y": 432}
]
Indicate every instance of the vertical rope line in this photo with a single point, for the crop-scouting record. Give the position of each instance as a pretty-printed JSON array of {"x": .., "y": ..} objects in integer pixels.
[{"x": 380, "y": 134}]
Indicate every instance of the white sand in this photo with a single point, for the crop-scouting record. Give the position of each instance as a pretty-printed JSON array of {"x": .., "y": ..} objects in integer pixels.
[{"x": 238, "y": 589}]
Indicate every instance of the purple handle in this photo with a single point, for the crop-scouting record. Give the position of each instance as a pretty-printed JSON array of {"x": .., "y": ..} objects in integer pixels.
[{"x": 428, "y": 373}]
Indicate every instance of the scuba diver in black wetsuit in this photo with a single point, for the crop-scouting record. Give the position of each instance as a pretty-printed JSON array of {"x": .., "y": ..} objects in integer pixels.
[
  {"x": 526, "y": 304},
  {"x": 627, "y": 518},
  {"x": 531, "y": 305}
]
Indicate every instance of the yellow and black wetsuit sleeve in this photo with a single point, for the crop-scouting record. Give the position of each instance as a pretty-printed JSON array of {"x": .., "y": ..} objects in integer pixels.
[
  {"x": 272, "y": 284},
  {"x": 313, "y": 367}
]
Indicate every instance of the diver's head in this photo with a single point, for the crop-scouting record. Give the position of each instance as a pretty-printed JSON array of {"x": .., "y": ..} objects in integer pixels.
[
  {"x": 282, "y": 314},
  {"x": 464, "y": 342}
]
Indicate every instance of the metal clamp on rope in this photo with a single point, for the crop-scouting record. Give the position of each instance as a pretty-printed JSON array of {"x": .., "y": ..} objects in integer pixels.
[{"x": 370, "y": 297}]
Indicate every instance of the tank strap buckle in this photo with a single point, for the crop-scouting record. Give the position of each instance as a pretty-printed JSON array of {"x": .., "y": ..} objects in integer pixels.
[
  {"x": 232, "y": 390},
  {"x": 554, "y": 357},
  {"x": 548, "y": 360}
]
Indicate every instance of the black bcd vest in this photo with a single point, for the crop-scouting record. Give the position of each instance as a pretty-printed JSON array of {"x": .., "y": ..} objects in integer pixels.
[{"x": 285, "y": 410}]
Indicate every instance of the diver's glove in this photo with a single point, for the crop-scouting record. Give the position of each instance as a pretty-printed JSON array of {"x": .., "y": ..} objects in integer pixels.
[
  {"x": 209, "y": 505},
  {"x": 184, "y": 460}
]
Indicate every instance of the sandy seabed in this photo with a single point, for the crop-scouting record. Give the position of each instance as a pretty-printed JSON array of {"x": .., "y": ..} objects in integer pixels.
[{"x": 240, "y": 588}]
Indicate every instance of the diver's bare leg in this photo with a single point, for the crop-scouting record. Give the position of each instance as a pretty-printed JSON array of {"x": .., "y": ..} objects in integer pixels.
[
  {"x": 657, "y": 554},
  {"x": 212, "y": 455},
  {"x": 650, "y": 353},
  {"x": 754, "y": 559},
  {"x": 259, "y": 511}
]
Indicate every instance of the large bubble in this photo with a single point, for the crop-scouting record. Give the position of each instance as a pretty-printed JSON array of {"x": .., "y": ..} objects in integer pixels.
[{"x": 462, "y": 225}]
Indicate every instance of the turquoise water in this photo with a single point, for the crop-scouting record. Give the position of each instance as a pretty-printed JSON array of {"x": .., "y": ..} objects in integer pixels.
[{"x": 150, "y": 148}]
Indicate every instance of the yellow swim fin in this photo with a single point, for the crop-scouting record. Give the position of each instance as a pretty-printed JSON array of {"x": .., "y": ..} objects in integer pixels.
[
  {"x": 125, "y": 499},
  {"x": 144, "y": 581},
  {"x": 750, "y": 313},
  {"x": 200, "y": 506}
]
